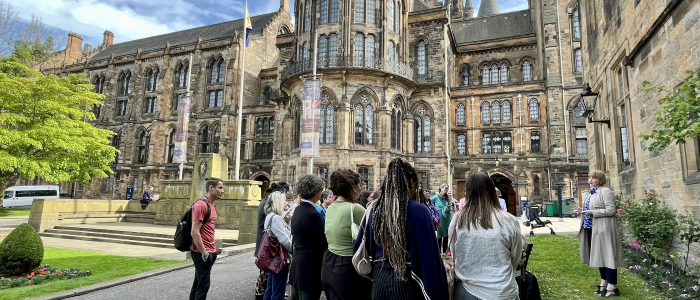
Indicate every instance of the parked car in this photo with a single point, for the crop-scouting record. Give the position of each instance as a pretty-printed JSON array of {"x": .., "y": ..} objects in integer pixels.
[{"x": 23, "y": 196}]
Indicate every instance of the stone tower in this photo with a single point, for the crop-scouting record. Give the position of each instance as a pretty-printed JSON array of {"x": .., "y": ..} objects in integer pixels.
[
  {"x": 468, "y": 10},
  {"x": 457, "y": 10},
  {"x": 488, "y": 8}
]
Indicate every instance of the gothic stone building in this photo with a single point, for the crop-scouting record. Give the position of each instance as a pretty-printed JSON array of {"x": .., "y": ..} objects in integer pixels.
[
  {"x": 452, "y": 93},
  {"x": 428, "y": 81}
]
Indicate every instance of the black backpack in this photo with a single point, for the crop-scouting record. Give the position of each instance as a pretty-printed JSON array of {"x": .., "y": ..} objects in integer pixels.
[{"x": 183, "y": 231}]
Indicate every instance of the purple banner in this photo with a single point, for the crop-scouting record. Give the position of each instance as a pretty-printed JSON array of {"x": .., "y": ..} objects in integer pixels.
[
  {"x": 183, "y": 122},
  {"x": 310, "y": 118}
]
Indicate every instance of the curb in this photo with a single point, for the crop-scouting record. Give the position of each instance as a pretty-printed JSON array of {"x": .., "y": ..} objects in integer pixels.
[
  {"x": 237, "y": 249},
  {"x": 112, "y": 283}
]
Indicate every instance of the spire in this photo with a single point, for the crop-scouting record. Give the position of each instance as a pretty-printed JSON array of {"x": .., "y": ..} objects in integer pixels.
[
  {"x": 488, "y": 8},
  {"x": 468, "y": 10}
]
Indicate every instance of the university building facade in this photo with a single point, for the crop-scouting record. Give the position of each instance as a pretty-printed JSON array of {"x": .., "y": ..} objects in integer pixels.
[{"x": 427, "y": 81}]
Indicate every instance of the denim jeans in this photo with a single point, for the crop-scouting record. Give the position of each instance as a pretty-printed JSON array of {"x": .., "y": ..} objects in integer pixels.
[
  {"x": 276, "y": 285},
  {"x": 202, "y": 273}
]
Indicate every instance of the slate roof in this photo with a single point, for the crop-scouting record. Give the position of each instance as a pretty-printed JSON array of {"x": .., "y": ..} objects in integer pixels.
[
  {"x": 189, "y": 36},
  {"x": 419, "y": 5},
  {"x": 496, "y": 27}
]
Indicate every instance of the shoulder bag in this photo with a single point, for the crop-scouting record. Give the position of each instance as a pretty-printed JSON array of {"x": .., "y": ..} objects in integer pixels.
[
  {"x": 272, "y": 257},
  {"x": 362, "y": 260},
  {"x": 354, "y": 228}
]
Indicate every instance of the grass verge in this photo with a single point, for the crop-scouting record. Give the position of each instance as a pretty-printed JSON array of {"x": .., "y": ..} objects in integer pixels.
[
  {"x": 555, "y": 260},
  {"x": 14, "y": 212},
  {"x": 104, "y": 267}
]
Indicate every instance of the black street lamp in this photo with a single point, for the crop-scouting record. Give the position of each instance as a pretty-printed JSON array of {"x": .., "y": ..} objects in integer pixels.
[{"x": 589, "y": 99}]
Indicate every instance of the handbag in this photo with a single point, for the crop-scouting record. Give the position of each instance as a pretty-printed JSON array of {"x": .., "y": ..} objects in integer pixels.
[
  {"x": 354, "y": 228},
  {"x": 272, "y": 257},
  {"x": 362, "y": 260}
]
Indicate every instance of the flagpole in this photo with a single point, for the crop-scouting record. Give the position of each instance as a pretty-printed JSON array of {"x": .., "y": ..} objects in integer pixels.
[{"x": 240, "y": 95}]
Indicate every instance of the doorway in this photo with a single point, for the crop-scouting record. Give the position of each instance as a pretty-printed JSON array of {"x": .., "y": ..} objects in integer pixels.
[
  {"x": 265, "y": 182},
  {"x": 505, "y": 185}
]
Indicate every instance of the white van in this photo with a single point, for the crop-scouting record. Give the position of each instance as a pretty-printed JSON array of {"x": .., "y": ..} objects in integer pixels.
[{"x": 22, "y": 196}]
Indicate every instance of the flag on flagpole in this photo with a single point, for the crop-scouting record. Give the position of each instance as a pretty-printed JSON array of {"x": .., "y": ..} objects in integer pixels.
[{"x": 248, "y": 26}]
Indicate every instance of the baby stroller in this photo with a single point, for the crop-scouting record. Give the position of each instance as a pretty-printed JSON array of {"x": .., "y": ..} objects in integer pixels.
[{"x": 533, "y": 220}]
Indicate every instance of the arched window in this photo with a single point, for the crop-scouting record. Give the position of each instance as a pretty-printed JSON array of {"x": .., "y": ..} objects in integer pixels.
[
  {"x": 171, "y": 145},
  {"x": 579, "y": 60},
  {"x": 182, "y": 75},
  {"x": 371, "y": 6},
  {"x": 297, "y": 127},
  {"x": 393, "y": 128},
  {"x": 142, "y": 148},
  {"x": 204, "y": 139},
  {"x": 577, "y": 24},
  {"x": 116, "y": 143},
  {"x": 272, "y": 126},
  {"x": 534, "y": 109},
  {"x": 423, "y": 137},
  {"x": 333, "y": 50},
  {"x": 327, "y": 121},
  {"x": 259, "y": 131},
  {"x": 124, "y": 83},
  {"x": 322, "y": 48},
  {"x": 485, "y": 112},
  {"x": 461, "y": 144},
  {"x": 465, "y": 76},
  {"x": 216, "y": 137},
  {"x": 504, "y": 73},
  {"x": 580, "y": 133},
  {"x": 527, "y": 71},
  {"x": 359, "y": 120},
  {"x": 535, "y": 142},
  {"x": 99, "y": 83},
  {"x": 396, "y": 128},
  {"x": 391, "y": 15},
  {"x": 334, "y": 11},
  {"x": 370, "y": 51},
  {"x": 486, "y": 143},
  {"x": 152, "y": 80},
  {"x": 460, "y": 113},
  {"x": 506, "y": 115},
  {"x": 579, "y": 119},
  {"x": 324, "y": 12},
  {"x": 496, "y": 112},
  {"x": 485, "y": 74},
  {"x": 397, "y": 18},
  {"x": 365, "y": 177},
  {"x": 217, "y": 71},
  {"x": 536, "y": 184},
  {"x": 302, "y": 54},
  {"x": 330, "y": 122},
  {"x": 369, "y": 125},
  {"x": 421, "y": 58},
  {"x": 266, "y": 126},
  {"x": 494, "y": 74},
  {"x": 359, "y": 11},
  {"x": 359, "y": 49},
  {"x": 306, "y": 17}
]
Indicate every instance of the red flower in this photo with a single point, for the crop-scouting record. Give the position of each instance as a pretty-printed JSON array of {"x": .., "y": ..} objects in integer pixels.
[{"x": 2, "y": 278}]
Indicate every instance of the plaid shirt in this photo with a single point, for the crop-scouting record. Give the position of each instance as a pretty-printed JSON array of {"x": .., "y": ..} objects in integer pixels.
[{"x": 588, "y": 220}]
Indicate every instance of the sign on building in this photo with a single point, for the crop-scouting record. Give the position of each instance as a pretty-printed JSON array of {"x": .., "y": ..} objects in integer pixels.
[
  {"x": 311, "y": 118},
  {"x": 183, "y": 122}
]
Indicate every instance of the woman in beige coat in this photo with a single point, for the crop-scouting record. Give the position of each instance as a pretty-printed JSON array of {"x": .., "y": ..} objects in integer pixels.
[{"x": 599, "y": 236}]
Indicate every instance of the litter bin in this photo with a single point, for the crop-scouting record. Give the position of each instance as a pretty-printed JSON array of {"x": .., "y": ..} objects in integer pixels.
[
  {"x": 567, "y": 205},
  {"x": 551, "y": 209}
]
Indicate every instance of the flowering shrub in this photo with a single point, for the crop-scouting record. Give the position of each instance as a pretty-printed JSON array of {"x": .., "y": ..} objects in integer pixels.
[
  {"x": 652, "y": 225},
  {"x": 669, "y": 283},
  {"x": 42, "y": 274}
]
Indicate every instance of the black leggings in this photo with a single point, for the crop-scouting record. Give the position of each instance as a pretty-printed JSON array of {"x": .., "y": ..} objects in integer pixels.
[
  {"x": 442, "y": 243},
  {"x": 609, "y": 275}
]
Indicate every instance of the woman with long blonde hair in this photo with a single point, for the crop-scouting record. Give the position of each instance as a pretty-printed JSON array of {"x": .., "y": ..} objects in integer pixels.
[
  {"x": 487, "y": 245},
  {"x": 278, "y": 229}
]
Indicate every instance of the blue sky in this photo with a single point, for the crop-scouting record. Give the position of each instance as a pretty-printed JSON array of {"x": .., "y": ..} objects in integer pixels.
[{"x": 134, "y": 19}]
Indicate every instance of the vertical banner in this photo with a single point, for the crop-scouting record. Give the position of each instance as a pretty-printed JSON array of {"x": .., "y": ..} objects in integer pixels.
[
  {"x": 311, "y": 118},
  {"x": 183, "y": 121}
]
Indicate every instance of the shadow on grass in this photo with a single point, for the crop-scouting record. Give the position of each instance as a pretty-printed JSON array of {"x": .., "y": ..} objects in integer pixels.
[
  {"x": 104, "y": 267},
  {"x": 556, "y": 262}
]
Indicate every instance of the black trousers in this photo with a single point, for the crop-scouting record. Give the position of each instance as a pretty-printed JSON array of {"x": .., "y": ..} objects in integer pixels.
[
  {"x": 609, "y": 275},
  {"x": 341, "y": 281},
  {"x": 442, "y": 243},
  {"x": 202, "y": 272}
]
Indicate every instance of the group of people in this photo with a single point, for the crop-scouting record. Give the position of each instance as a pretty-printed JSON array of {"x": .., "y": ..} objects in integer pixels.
[{"x": 399, "y": 229}]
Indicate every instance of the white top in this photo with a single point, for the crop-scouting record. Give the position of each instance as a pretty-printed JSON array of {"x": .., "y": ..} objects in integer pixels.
[
  {"x": 503, "y": 204},
  {"x": 486, "y": 260}
]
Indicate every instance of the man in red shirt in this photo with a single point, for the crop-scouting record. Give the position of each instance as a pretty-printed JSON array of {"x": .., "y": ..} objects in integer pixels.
[{"x": 203, "y": 243}]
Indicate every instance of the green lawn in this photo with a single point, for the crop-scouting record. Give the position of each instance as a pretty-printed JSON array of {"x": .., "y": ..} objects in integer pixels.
[
  {"x": 556, "y": 262},
  {"x": 104, "y": 267},
  {"x": 14, "y": 212}
]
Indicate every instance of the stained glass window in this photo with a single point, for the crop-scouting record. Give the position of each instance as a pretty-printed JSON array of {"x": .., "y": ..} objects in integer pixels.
[
  {"x": 359, "y": 114},
  {"x": 460, "y": 113},
  {"x": 369, "y": 124},
  {"x": 461, "y": 144},
  {"x": 527, "y": 71},
  {"x": 534, "y": 109},
  {"x": 486, "y": 143},
  {"x": 485, "y": 77},
  {"x": 506, "y": 115},
  {"x": 321, "y": 125},
  {"x": 507, "y": 143},
  {"x": 494, "y": 74},
  {"x": 419, "y": 135},
  {"x": 485, "y": 112},
  {"x": 329, "y": 124},
  {"x": 497, "y": 146},
  {"x": 426, "y": 134},
  {"x": 504, "y": 73},
  {"x": 496, "y": 112}
]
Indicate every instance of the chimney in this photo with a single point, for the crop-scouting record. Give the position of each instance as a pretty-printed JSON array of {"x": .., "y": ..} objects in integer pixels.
[
  {"x": 108, "y": 39},
  {"x": 284, "y": 5},
  {"x": 74, "y": 46},
  {"x": 87, "y": 49},
  {"x": 488, "y": 8}
]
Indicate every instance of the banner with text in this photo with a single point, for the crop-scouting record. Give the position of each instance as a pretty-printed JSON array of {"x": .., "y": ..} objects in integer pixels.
[
  {"x": 310, "y": 118},
  {"x": 183, "y": 122}
]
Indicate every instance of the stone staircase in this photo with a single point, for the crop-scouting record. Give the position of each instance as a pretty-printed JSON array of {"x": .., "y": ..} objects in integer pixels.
[{"x": 118, "y": 236}]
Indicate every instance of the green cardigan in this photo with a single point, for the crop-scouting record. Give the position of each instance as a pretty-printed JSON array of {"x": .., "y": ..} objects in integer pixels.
[{"x": 337, "y": 226}]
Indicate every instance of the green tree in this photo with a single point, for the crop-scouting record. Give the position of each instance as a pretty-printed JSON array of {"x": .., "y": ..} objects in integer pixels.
[
  {"x": 679, "y": 118},
  {"x": 45, "y": 128},
  {"x": 33, "y": 53}
]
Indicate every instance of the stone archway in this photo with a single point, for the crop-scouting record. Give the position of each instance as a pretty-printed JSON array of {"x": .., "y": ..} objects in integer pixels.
[
  {"x": 262, "y": 177},
  {"x": 505, "y": 185}
]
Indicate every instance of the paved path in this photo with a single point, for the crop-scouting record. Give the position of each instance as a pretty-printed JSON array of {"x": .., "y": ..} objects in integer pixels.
[
  {"x": 151, "y": 228},
  {"x": 565, "y": 226},
  {"x": 113, "y": 248},
  {"x": 233, "y": 277}
]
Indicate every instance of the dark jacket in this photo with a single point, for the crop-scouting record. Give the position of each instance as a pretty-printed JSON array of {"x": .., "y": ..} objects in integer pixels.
[
  {"x": 261, "y": 223},
  {"x": 309, "y": 242},
  {"x": 423, "y": 251},
  {"x": 147, "y": 195}
]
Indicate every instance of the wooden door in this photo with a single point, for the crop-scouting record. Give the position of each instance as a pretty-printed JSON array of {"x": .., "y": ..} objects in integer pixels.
[
  {"x": 461, "y": 190},
  {"x": 512, "y": 201}
]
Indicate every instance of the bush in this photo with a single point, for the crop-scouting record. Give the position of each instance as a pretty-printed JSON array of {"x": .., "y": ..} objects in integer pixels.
[
  {"x": 21, "y": 251},
  {"x": 652, "y": 225}
]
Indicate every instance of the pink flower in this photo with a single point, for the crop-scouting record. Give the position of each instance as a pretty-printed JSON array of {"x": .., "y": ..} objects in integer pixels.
[
  {"x": 619, "y": 210},
  {"x": 649, "y": 193},
  {"x": 634, "y": 243},
  {"x": 656, "y": 266},
  {"x": 696, "y": 288}
]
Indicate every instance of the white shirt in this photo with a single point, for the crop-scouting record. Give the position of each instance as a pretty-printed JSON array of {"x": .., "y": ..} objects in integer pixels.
[
  {"x": 486, "y": 260},
  {"x": 503, "y": 204}
]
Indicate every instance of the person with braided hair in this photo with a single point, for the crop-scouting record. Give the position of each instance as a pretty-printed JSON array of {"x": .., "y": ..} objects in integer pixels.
[{"x": 400, "y": 237}]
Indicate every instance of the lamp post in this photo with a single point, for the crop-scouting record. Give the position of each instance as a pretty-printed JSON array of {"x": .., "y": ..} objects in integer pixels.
[{"x": 589, "y": 99}]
